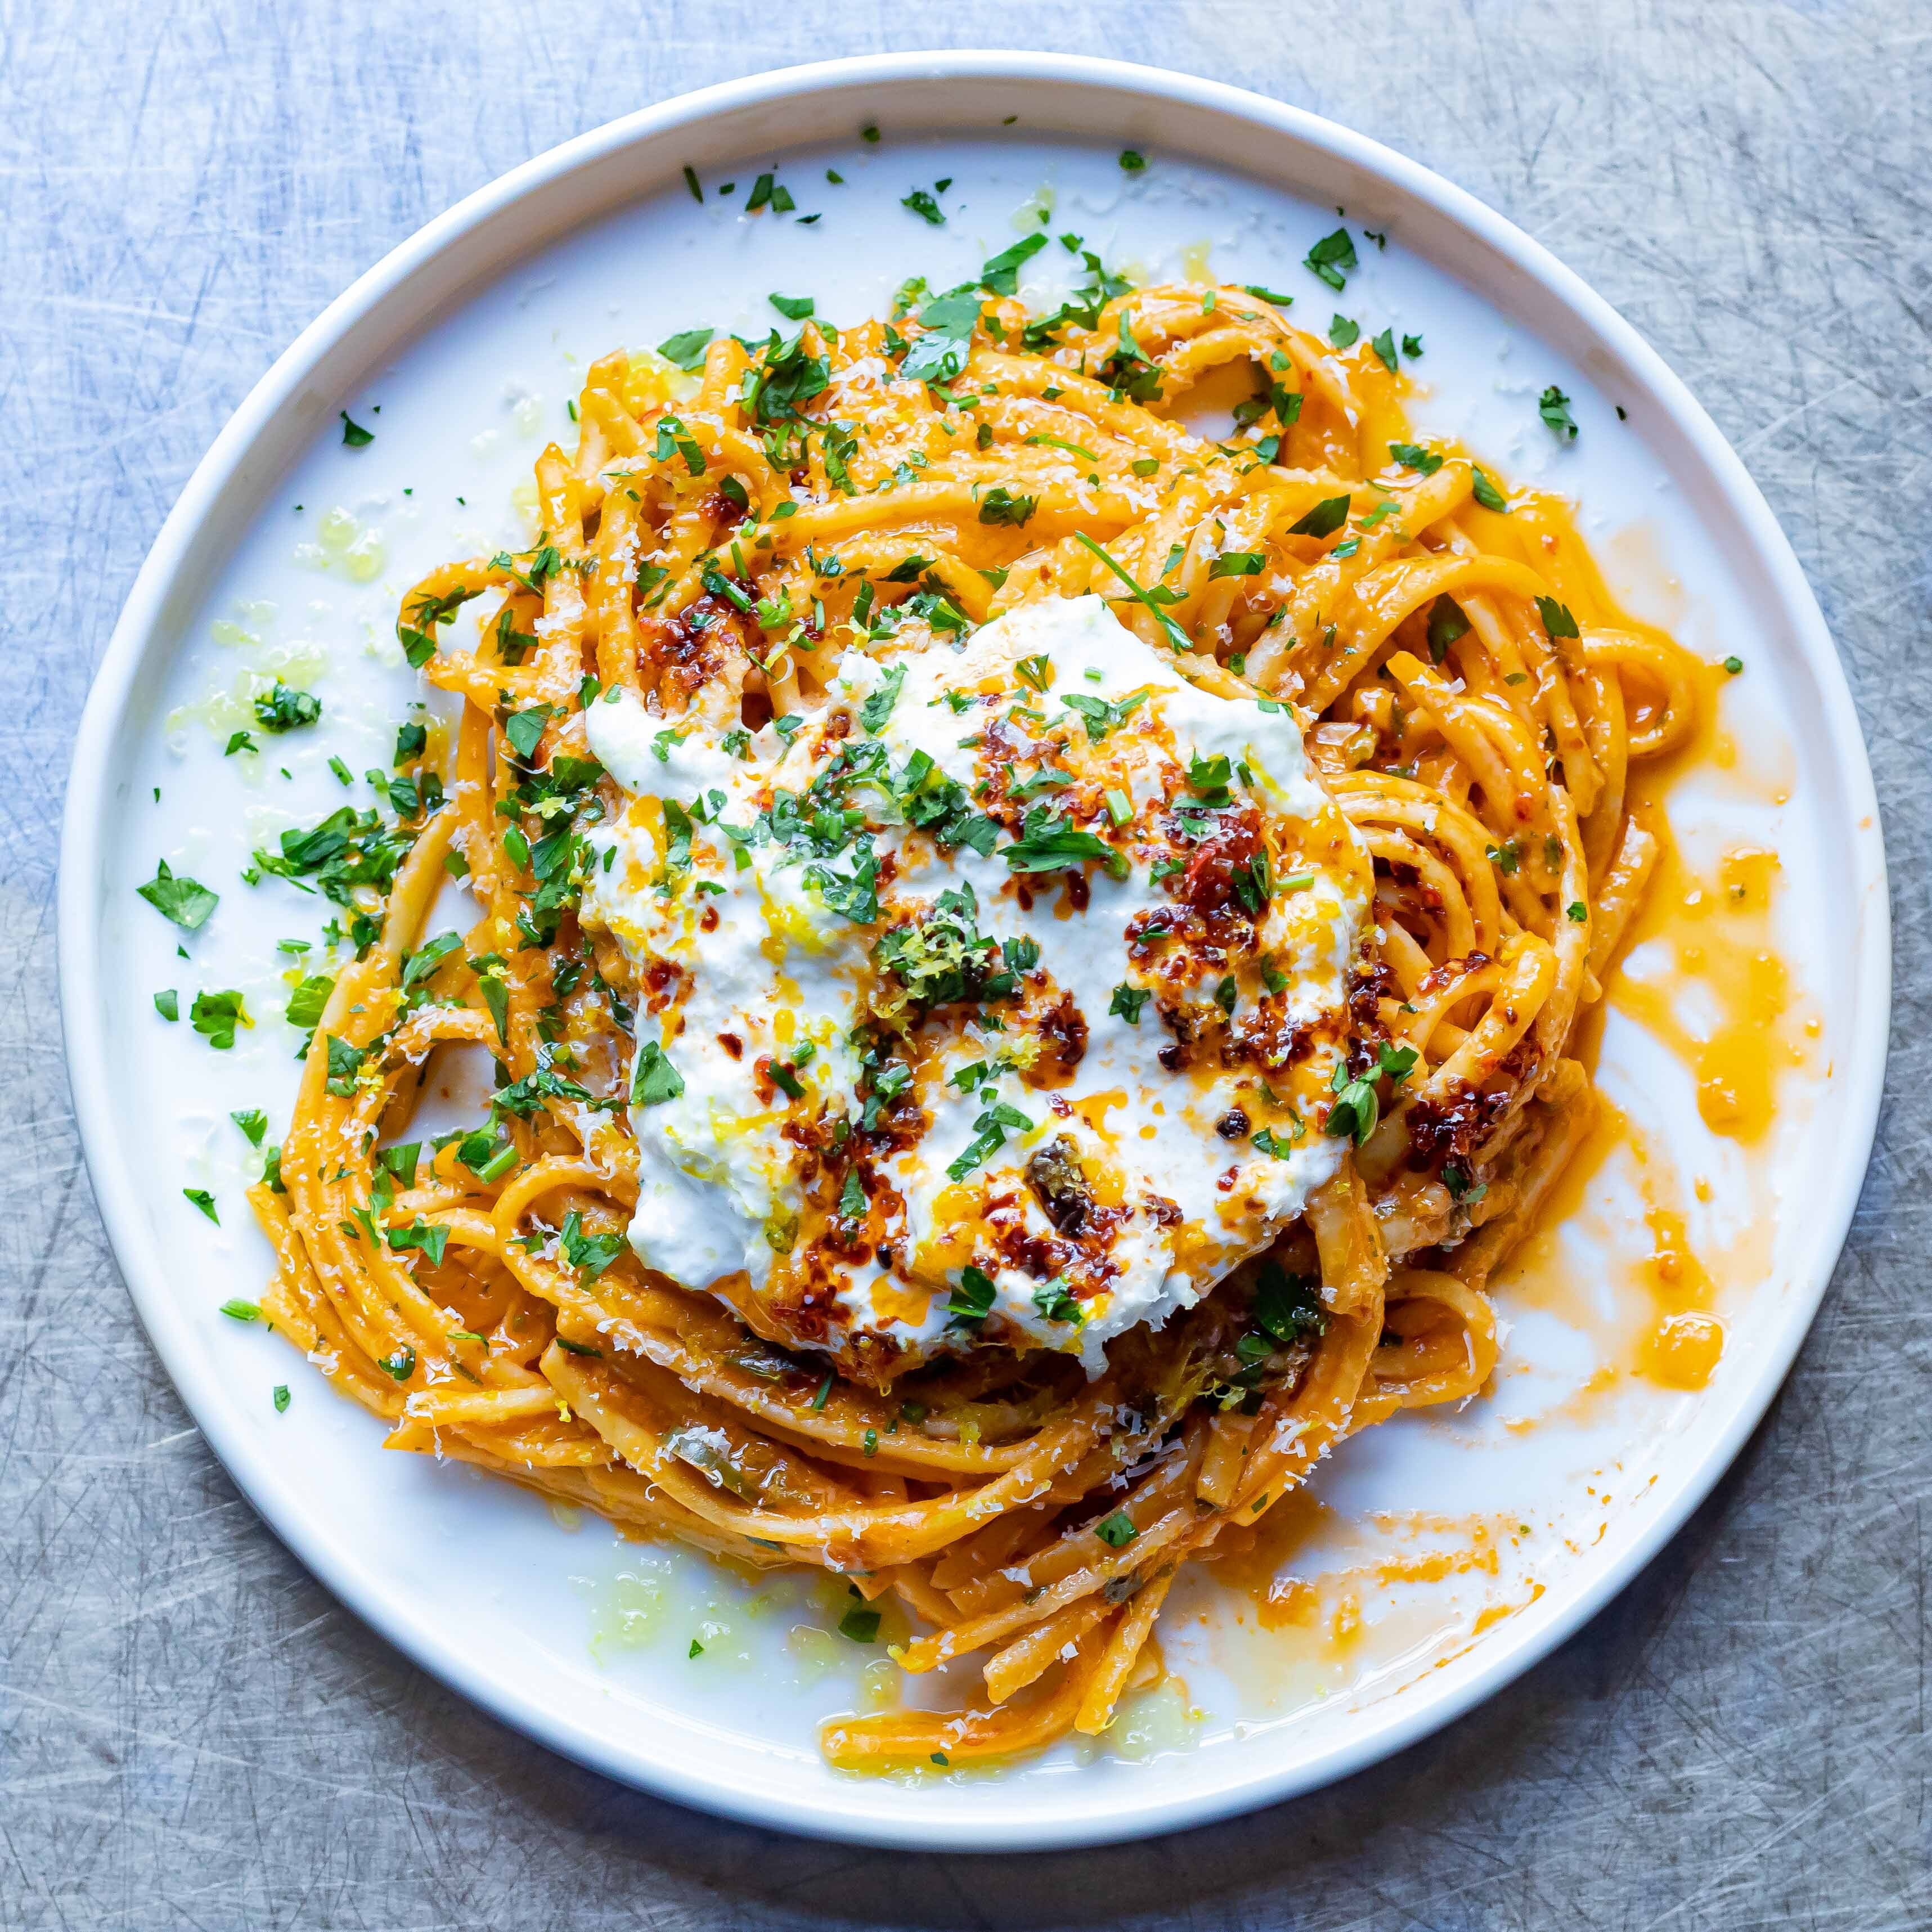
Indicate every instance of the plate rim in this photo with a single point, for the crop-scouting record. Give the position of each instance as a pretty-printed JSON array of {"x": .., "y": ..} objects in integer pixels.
[{"x": 142, "y": 635}]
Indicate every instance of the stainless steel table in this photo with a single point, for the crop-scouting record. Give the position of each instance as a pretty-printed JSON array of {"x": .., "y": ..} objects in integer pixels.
[{"x": 196, "y": 1735}]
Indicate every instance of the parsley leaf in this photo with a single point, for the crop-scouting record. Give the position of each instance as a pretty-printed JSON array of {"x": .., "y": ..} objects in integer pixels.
[
  {"x": 923, "y": 204},
  {"x": 1289, "y": 1305},
  {"x": 1556, "y": 618},
  {"x": 423, "y": 1238},
  {"x": 940, "y": 353},
  {"x": 1332, "y": 259},
  {"x": 1553, "y": 406},
  {"x": 421, "y": 964},
  {"x": 1102, "y": 715},
  {"x": 418, "y": 636},
  {"x": 685, "y": 349},
  {"x": 284, "y": 708},
  {"x": 1486, "y": 493},
  {"x": 308, "y": 999},
  {"x": 1048, "y": 843},
  {"x": 1001, "y": 273},
  {"x": 654, "y": 1080},
  {"x": 525, "y": 730},
  {"x": 1175, "y": 636},
  {"x": 185, "y": 900},
  {"x": 878, "y": 707},
  {"x": 1054, "y": 1301},
  {"x": 590, "y": 1255},
  {"x": 1446, "y": 624},
  {"x": 859, "y": 1625},
  {"x": 999, "y": 505},
  {"x": 972, "y": 1298},
  {"x": 216, "y": 1016},
  {"x": 1325, "y": 519},
  {"x": 1413, "y": 456}
]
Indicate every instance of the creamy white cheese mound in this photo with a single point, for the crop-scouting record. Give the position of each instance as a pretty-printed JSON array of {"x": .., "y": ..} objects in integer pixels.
[{"x": 996, "y": 1002}]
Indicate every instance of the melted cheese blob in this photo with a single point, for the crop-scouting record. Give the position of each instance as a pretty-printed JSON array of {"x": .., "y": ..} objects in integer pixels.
[{"x": 997, "y": 1002}]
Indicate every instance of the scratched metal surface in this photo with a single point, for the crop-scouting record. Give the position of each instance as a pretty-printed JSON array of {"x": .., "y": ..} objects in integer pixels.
[{"x": 196, "y": 1735}]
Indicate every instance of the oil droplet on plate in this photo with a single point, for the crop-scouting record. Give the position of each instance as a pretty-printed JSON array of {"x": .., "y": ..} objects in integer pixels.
[{"x": 1683, "y": 1349}]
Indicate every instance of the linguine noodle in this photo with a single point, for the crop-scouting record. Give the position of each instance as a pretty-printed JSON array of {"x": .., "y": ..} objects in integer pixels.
[{"x": 714, "y": 544}]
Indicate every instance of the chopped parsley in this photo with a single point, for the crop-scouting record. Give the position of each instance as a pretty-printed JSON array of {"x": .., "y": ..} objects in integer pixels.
[
  {"x": 860, "y": 1624},
  {"x": 1413, "y": 456},
  {"x": 972, "y": 1298},
  {"x": 281, "y": 708},
  {"x": 1357, "y": 1107},
  {"x": 923, "y": 204},
  {"x": 1324, "y": 520},
  {"x": 216, "y": 1016},
  {"x": 1048, "y": 843},
  {"x": 878, "y": 707},
  {"x": 1054, "y": 1301},
  {"x": 1333, "y": 259},
  {"x": 685, "y": 350},
  {"x": 1103, "y": 716},
  {"x": 1553, "y": 406},
  {"x": 185, "y": 900},
  {"x": 654, "y": 1080},
  {"x": 1001, "y": 273},
  {"x": 589, "y": 1254},
  {"x": 1446, "y": 624},
  {"x": 1556, "y": 618},
  {"x": 1149, "y": 600},
  {"x": 1486, "y": 493},
  {"x": 1287, "y": 1307},
  {"x": 940, "y": 353},
  {"x": 1000, "y": 505},
  {"x": 417, "y": 635},
  {"x": 989, "y": 1135}
]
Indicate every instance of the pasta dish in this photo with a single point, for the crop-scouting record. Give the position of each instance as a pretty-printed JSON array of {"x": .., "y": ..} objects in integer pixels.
[{"x": 1032, "y": 957}]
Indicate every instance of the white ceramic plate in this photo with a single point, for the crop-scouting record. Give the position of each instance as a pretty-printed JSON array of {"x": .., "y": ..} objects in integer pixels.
[{"x": 460, "y": 350}]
